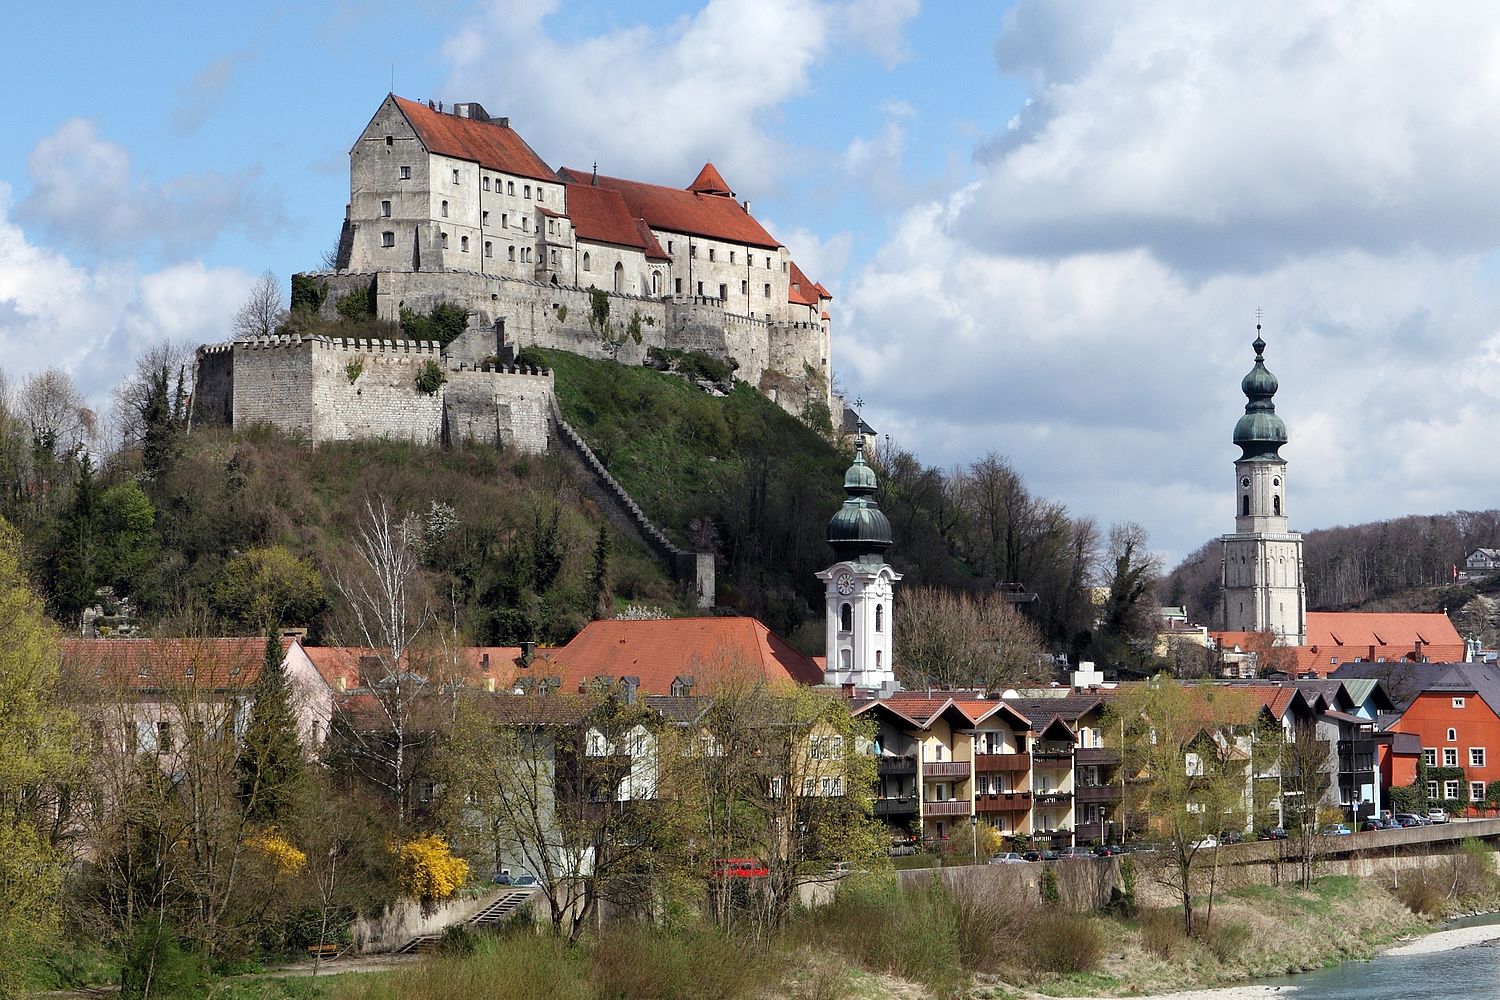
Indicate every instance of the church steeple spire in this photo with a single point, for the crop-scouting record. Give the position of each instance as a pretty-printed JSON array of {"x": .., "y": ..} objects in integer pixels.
[
  {"x": 859, "y": 587},
  {"x": 1260, "y": 433}
]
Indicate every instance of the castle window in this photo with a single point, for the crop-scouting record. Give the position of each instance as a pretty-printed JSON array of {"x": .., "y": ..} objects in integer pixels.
[
  {"x": 677, "y": 285},
  {"x": 385, "y": 209},
  {"x": 484, "y": 218},
  {"x": 541, "y": 194},
  {"x": 700, "y": 289},
  {"x": 510, "y": 187},
  {"x": 880, "y": 617},
  {"x": 744, "y": 288},
  {"x": 463, "y": 244},
  {"x": 527, "y": 191},
  {"x": 692, "y": 251},
  {"x": 879, "y": 658},
  {"x": 846, "y": 617},
  {"x": 406, "y": 173},
  {"x": 504, "y": 221},
  {"x": 445, "y": 209},
  {"x": 551, "y": 227},
  {"x": 486, "y": 183},
  {"x": 710, "y": 253},
  {"x": 510, "y": 252},
  {"x": 489, "y": 249},
  {"x": 655, "y": 282},
  {"x": 1276, "y": 506},
  {"x": 768, "y": 291},
  {"x": 525, "y": 224},
  {"x": 445, "y": 241},
  {"x": 586, "y": 262},
  {"x": 731, "y": 256},
  {"x": 768, "y": 262},
  {"x": 554, "y": 258},
  {"x": 723, "y": 292},
  {"x": 390, "y": 140},
  {"x": 619, "y": 277},
  {"x": 387, "y": 239},
  {"x": 455, "y": 176}
]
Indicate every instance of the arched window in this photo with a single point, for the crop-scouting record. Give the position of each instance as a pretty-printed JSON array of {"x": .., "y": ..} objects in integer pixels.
[
  {"x": 1245, "y": 506},
  {"x": 846, "y": 618},
  {"x": 655, "y": 282},
  {"x": 489, "y": 249},
  {"x": 445, "y": 209},
  {"x": 619, "y": 277},
  {"x": 445, "y": 241},
  {"x": 846, "y": 658},
  {"x": 879, "y": 658},
  {"x": 510, "y": 253},
  {"x": 880, "y": 617},
  {"x": 463, "y": 243},
  {"x": 585, "y": 261},
  {"x": 1276, "y": 506}
]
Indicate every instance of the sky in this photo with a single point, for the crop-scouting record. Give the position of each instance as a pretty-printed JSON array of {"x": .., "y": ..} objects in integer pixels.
[{"x": 1047, "y": 226}]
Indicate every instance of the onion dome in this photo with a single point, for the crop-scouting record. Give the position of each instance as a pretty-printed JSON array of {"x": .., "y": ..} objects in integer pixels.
[
  {"x": 1260, "y": 432},
  {"x": 859, "y": 528}
]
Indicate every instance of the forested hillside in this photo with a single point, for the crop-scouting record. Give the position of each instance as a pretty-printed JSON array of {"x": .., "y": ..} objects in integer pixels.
[{"x": 1406, "y": 563}]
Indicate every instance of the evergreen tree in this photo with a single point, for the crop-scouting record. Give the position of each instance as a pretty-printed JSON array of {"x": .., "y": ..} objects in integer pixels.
[
  {"x": 271, "y": 769},
  {"x": 159, "y": 443},
  {"x": 75, "y": 562},
  {"x": 598, "y": 590}
]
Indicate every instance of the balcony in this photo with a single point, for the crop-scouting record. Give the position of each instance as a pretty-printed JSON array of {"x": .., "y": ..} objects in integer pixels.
[
  {"x": 1052, "y": 752},
  {"x": 893, "y": 764},
  {"x": 902, "y": 805},
  {"x": 1003, "y": 762},
  {"x": 1088, "y": 832},
  {"x": 1098, "y": 793},
  {"x": 948, "y": 807},
  {"x": 1003, "y": 802},
  {"x": 945, "y": 769},
  {"x": 1097, "y": 755},
  {"x": 1051, "y": 796}
]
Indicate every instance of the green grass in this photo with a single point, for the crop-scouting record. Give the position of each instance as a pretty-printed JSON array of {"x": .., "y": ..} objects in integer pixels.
[{"x": 1080, "y": 984}]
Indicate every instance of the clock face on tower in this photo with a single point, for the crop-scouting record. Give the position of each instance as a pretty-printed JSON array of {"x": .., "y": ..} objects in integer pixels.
[{"x": 845, "y": 584}]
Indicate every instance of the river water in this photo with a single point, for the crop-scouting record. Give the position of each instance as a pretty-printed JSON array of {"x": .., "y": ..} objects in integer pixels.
[{"x": 1471, "y": 973}]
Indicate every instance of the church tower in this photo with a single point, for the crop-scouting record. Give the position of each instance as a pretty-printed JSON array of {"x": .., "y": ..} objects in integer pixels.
[
  {"x": 859, "y": 587},
  {"x": 1262, "y": 572}
]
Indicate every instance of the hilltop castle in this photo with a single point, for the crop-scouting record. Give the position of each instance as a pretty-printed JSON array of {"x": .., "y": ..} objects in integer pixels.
[{"x": 454, "y": 208}]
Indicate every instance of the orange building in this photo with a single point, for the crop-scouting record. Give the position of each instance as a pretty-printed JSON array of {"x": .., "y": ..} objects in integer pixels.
[
  {"x": 1456, "y": 716},
  {"x": 1338, "y": 637}
]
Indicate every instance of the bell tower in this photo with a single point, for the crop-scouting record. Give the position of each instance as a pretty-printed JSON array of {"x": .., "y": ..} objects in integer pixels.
[
  {"x": 859, "y": 587},
  {"x": 1262, "y": 569}
]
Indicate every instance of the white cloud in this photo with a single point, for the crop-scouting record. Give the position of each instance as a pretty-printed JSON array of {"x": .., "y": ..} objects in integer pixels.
[
  {"x": 89, "y": 195},
  {"x": 655, "y": 103},
  {"x": 197, "y": 101},
  {"x": 93, "y": 321}
]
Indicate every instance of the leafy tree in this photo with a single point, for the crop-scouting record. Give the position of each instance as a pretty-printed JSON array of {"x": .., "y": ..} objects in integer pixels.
[
  {"x": 308, "y": 293},
  {"x": 39, "y": 761},
  {"x": 267, "y": 587},
  {"x": 131, "y": 545},
  {"x": 271, "y": 770}
]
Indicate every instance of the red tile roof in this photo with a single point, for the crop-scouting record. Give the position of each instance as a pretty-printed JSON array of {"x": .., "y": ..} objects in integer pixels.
[
  {"x": 600, "y": 214},
  {"x": 681, "y": 211},
  {"x": 709, "y": 650},
  {"x": 708, "y": 181},
  {"x": 162, "y": 664},
  {"x": 336, "y": 664},
  {"x": 1371, "y": 635},
  {"x": 800, "y": 290},
  {"x": 489, "y": 144}
]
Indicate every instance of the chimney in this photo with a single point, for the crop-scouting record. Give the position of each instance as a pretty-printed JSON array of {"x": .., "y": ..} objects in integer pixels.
[
  {"x": 528, "y": 653},
  {"x": 594, "y": 180},
  {"x": 747, "y": 206},
  {"x": 503, "y": 122}
]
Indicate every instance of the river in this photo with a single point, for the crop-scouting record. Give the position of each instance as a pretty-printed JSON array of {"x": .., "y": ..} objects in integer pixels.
[{"x": 1471, "y": 973}]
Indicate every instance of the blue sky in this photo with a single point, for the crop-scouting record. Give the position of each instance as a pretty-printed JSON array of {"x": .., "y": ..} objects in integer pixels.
[{"x": 1046, "y": 226}]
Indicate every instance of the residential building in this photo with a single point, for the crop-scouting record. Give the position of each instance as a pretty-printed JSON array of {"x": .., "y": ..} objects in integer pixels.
[{"x": 1480, "y": 563}]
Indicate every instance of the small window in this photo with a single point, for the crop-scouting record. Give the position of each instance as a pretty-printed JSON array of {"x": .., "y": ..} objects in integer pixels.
[
  {"x": 1429, "y": 756},
  {"x": 445, "y": 241},
  {"x": 1244, "y": 506},
  {"x": 744, "y": 288},
  {"x": 406, "y": 173},
  {"x": 692, "y": 251},
  {"x": 723, "y": 292},
  {"x": 504, "y": 220},
  {"x": 485, "y": 183},
  {"x": 163, "y": 737},
  {"x": 1432, "y": 790},
  {"x": 1458, "y": 703},
  {"x": 586, "y": 265},
  {"x": 880, "y": 617},
  {"x": 510, "y": 252},
  {"x": 455, "y": 176},
  {"x": 445, "y": 210},
  {"x": 1476, "y": 791},
  {"x": 1476, "y": 756},
  {"x": 489, "y": 249},
  {"x": 731, "y": 256},
  {"x": 677, "y": 286},
  {"x": 768, "y": 262},
  {"x": 768, "y": 291},
  {"x": 527, "y": 191},
  {"x": 525, "y": 224},
  {"x": 669, "y": 246},
  {"x": 385, "y": 209},
  {"x": 1452, "y": 735},
  {"x": 1450, "y": 756},
  {"x": 463, "y": 244},
  {"x": 1276, "y": 506},
  {"x": 390, "y": 140},
  {"x": 387, "y": 239},
  {"x": 710, "y": 253},
  {"x": 700, "y": 289},
  {"x": 1450, "y": 789},
  {"x": 541, "y": 194},
  {"x": 510, "y": 187},
  {"x": 846, "y": 618},
  {"x": 484, "y": 218}
]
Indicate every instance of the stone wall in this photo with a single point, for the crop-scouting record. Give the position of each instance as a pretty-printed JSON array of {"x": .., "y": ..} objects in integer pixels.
[{"x": 213, "y": 387}]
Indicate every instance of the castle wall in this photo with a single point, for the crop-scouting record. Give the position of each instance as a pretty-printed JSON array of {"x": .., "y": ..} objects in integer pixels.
[
  {"x": 381, "y": 399},
  {"x": 510, "y": 407},
  {"x": 274, "y": 385},
  {"x": 213, "y": 387}
]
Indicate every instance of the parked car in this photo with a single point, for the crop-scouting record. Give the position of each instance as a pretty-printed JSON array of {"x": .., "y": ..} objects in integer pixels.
[
  {"x": 1231, "y": 837},
  {"x": 839, "y": 869},
  {"x": 1032, "y": 855},
  {"x": 1336, "y": 830},
  {"x": 1048, "y": 854},
  {"x": 1109, "y": 850},
  {"x": 740, "y": 868},
  {"x": 1074, "y": 852},
  {"x": 1006, "y": 858},
  {"x": 525, "y": 881},
  {"x": 1408, "y": 819},
  {"x": 1273, "y": 833},
  {"x": 1208, "y": 841},
  {"x": 1371, "y": 825},
  {"x": 1437, "y": 815}
]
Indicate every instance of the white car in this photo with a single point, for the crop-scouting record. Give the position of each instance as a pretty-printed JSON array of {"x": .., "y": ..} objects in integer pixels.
[
  {"x": 1208, "y": 841},
  {"x": 1008, "y": 858},
  {"x": 1437, "y": 815}
]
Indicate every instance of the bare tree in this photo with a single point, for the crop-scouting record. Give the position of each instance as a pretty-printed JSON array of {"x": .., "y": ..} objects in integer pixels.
[
  {"x": 955, "y": 640},
  {"x": 264, "y": 311},
  {"x": 383, "y": 593},
  {"x": 54, "y": 412},
  {"x": 152, "y": 400}
]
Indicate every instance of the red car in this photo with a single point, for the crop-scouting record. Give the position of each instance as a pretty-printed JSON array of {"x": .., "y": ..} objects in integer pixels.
[{"x": 740, "y": 868}]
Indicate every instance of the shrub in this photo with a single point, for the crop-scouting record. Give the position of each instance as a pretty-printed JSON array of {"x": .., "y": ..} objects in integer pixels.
[
  {"x": 1474, "y": 870},
  {"x": 307, "y": 293},
  {"x": 531, "y": 357},
  {"x": 458, "y": 939},
  {"x": 1048, "y": 885},
  {"x": 157, "y": 965},
  {"x": 1421, "y": 893},
  {"x": 353, "y": 370},
  {"x": 444, "y": 323},
  {"x": 1066, "y": 943},
  {"x": 1161, "y": 932},
  {"x": 511, "y": 967},
  {"x": 430, "y": 377},
  {"x": 635, "y": 960},
  {"x": 1227, "y": 939},
  {"x": 429, "y": 871},
  {"x": 357, "y": 305}
]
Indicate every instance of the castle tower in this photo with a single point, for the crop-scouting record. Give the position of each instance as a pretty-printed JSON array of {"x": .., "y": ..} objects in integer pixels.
[
  {"x": 1262, "y": 570},
  {"x": 859, "y": 587}
]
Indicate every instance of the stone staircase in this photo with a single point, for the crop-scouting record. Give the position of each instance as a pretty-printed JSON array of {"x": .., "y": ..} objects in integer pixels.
[{"x": 494, "y": 913}]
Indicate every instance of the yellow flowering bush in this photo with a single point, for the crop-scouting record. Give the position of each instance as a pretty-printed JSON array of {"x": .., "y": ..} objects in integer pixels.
[
  {"x": 429, "y": 871},
  {"x": 282, "y": 852}
]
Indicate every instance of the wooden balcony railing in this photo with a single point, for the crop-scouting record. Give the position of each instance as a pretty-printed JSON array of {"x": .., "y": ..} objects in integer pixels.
[{"x": 945, "y": 769}]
